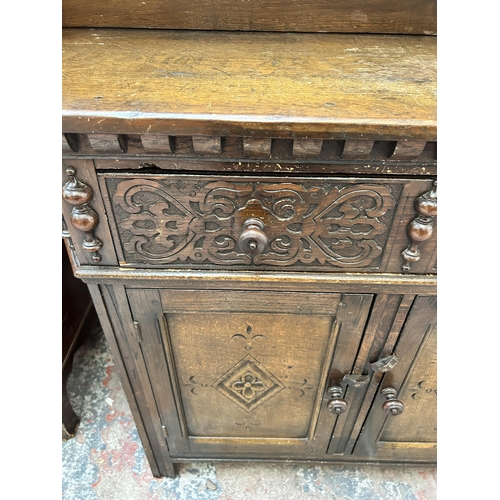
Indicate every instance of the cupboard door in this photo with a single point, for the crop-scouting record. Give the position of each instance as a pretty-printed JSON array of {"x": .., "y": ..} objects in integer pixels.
[
  {"x": 412, "y": 435},
  {"x": 247, "y": 372}
]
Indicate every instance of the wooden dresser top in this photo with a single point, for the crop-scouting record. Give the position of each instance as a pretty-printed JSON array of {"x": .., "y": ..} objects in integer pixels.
[{"x": 346, "y": 86}]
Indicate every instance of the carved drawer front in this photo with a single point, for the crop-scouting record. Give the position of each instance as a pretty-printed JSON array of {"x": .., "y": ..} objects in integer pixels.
[
  {"x": 331, "y": 224},
  {"x": 247, "y": 371}
]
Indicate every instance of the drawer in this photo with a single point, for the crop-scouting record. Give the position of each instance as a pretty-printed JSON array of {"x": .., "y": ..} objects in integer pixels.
[{"x": 327, "y": 224}]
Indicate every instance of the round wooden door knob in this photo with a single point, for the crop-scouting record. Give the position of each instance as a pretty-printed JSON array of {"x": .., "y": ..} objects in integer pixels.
[
  {"x": 253, "y": 240},
  {"x": 392, "y": 406},
  {"x": 336, "y": 405}
]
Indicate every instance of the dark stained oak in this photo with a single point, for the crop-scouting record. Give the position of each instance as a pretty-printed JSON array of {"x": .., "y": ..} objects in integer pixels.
[
  {"x": 156, "y": 143},
  {"x": 252, "y": 280},
  {"x": 331, "y": 224},
  {"x": 307, "y": 147},
  {"x": 280, "y": 167},
  {"x": 357, "y": 149},
  {"x": 369, "y": 87},
  {"x": 257, "y": 195},
  {"x": 256, "y": 146},
  {"x": 161, "y": 147},
  {"x": 106, "y": 143},
  {"x": 408, "y": 150},
  {"x": 364, "y": 16}
]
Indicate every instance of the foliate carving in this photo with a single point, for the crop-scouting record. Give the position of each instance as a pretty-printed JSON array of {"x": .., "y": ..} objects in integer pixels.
[
  {"x": 421, "y": 228},
  {"x": 193, "y": 386},
  {"x": 423, "y": 389},
  {"x": 302, "y": 388},
  {"x": 248, "y": 384},
  {"x": 314, "y": 223},
  {"x": 248, "y": 337},
  {"x": 248, "y": 423},
  {"x": 83, "y": 218}
]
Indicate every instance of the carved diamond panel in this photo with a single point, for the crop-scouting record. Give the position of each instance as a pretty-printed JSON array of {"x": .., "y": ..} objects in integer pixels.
[{"x": 248, "y": 384}]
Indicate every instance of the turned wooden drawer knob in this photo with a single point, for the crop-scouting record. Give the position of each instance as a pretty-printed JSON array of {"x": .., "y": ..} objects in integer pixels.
[
  {"x": 392, "y": 406},
  {"x": 336, "y": 405},
  {"x": 253, "y": 240}
]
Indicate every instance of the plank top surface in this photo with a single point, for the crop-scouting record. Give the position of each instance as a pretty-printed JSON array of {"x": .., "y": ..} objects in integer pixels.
[{"x": 254, "y": 84}]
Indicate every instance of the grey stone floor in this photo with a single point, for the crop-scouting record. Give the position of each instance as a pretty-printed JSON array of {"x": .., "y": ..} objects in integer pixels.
[{"x": 106, "y": 461}]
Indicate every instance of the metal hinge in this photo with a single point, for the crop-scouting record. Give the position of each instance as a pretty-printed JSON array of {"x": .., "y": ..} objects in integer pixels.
[
  {"x": 165, "y": 433},
  {"x": 138, "y": 331}
]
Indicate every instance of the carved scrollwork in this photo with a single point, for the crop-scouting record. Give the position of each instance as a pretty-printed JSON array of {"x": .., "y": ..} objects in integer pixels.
[
  {"x": 421, "y": 227},
  {"x": 83, "y": 218},
  {"x": 164, "y": 221}
]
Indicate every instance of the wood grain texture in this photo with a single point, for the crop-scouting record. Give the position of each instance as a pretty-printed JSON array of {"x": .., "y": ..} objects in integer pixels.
[
  {"x": 223, "y": 350},
  {"x": 264, "y": 167},
  {"x": 252, "y": 280},
  {"x": 307, "y": 147},
  {"x": 408, "y": 150},
  {"x": 357, "y": 149},
  {"x": 256, "y": 146},
  {"x": 363, "y": 16},
  {"x": 370, "y": 87},
  {"x": 156, "y": 143},
  {"x": 206, "y": 145},
  {"x": 106, "y": 143},
  {"x": 145, "y": 309}
]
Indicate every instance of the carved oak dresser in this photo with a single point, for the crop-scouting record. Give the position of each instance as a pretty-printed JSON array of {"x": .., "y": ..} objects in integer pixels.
[{"x": 249, "y": 192}]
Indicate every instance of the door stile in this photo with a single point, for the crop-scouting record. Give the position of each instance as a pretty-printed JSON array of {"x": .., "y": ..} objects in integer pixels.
[{"x": 146, "y": 309}]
